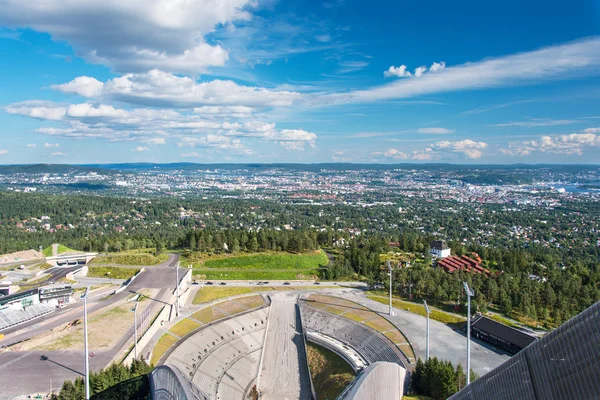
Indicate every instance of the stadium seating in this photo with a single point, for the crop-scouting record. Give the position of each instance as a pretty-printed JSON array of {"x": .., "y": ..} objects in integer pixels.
[
  {"x": 10, "y": 317},
  {"x": 222, "y": 359},
  {"x": 370, "y": 344}
]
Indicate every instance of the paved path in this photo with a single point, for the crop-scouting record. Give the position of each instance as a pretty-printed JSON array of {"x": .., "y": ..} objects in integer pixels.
[{"x": 284, "y": 369}]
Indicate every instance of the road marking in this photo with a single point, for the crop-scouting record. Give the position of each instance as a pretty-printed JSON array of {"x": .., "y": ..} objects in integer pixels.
[{"x": 15, "y": 360}]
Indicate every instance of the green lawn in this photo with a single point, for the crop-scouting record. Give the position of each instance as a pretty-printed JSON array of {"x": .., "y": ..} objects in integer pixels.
[
  {"x": 184, "y": 327},
  {"x": 111, "y": 272},
  {"x": 273, "y": 261},
  {"x": 258, "y": 266},
  {"x": 131, "y": 258},
  {"x": 441, "y": 316},
  {"x": 330, "y": 373},
  {"x": 47, "y": 252},
  {"x": 161, "y": 347},
  {"x": 249, "y": 275},
  {"x": 207, "y": 294}
]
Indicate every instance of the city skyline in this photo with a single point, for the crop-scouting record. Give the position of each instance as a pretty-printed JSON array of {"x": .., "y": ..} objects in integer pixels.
[{"x": 314, "y": 82}]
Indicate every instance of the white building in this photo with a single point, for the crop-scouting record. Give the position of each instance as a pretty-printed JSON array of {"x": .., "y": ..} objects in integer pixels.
[{"x": 439, "y": 249}]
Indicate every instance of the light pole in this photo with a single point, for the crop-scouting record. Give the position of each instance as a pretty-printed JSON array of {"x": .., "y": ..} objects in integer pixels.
[
  {"x": 390, "y": 273},
  {"x": 177, "y": 288},
  {"x": 85, "y": 344},
  {"x": 427, "y": 311},
  {"x": 134, "y": 309},
  {"x": 469, "y": 293}
]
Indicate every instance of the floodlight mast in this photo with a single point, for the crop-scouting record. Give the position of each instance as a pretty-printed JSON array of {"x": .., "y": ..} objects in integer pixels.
[
  {"x": 85, "y": 344},
  {"x": 427, "y": 311},
  {"x": 177, "y": 288},
  {"x": 470, "y": 294},
  {"x": 389, "y": 266},
  {"x": 134, "y": 309}
]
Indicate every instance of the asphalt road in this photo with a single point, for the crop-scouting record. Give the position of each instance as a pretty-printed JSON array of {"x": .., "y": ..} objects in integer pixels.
[
  {"x": 29, "y": 373},
  {"x": 36, "y": 371}
]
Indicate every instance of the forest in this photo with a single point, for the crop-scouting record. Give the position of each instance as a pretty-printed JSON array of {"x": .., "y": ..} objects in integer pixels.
[{"x": 545, "y": 263}]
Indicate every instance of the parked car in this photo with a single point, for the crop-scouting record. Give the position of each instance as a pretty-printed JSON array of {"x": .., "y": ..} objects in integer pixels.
[
  {"x": 223, "y": 283},
  {"x": 209, "y": 283},
  {"x": 286, "y": 283}
]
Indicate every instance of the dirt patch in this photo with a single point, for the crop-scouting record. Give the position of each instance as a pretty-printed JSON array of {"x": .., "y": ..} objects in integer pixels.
[{"x": 25, "y": 255}]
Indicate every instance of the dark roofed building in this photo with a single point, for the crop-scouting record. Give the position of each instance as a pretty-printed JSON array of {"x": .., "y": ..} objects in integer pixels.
[
  {"x": 439, "y": 248},
  {"x": 500, "y": 335}
]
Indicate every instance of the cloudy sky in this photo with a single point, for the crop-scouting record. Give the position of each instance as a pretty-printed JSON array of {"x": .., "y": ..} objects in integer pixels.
[{"x": 507, "y": 81}]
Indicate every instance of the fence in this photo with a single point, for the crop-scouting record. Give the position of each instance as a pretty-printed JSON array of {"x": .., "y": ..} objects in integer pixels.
[{"x": 564, "y": 364}]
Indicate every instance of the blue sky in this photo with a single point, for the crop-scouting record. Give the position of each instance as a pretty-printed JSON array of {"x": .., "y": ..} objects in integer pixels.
[{"x": 302, "y": 81}]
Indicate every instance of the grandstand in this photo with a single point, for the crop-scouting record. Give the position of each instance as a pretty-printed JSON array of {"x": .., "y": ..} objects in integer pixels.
[
  {"x": 12, "y": 316},
  {"x": 370, "y": 344},
  {"x": 222, "y": 359}
]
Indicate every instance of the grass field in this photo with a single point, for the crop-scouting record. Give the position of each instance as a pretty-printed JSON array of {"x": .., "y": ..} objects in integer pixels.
[
  {"x": 131, "y": 258},
  {"x": 161, "y": 347},
  {"x": 502, "y": 320},
  {"x": 364, "y": 315},
  {"x": 438, "y": 315},
  {"x": 111, "y": 272},
  {"x": 276, "y": 266},
  {"x": 184, "y": 327},
  {"x": 250, "y": 275},
  {"x": 47, "y": 252},
  {"x": 330, "y": 373}
]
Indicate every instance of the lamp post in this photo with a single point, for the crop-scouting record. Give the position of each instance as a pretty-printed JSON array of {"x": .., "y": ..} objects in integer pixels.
[
  {"x": 427, "y": 311},
  {"x": 85, "y": 344},
  {"x": 389, "y": 266},
  {"x": 469, "y": 293},
  {"x": 134, "y": 309},
  {"x": 177, "y": 288}
]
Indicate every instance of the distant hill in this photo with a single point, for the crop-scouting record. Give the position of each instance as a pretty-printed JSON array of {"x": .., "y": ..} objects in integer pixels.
[{"x": 186, "y": 166}]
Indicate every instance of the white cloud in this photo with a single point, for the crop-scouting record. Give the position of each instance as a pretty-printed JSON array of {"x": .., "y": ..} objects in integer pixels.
[
  {"x": 468, "y": 147},
  {"x": 539, "y": 122},
  {"x": 419, "y": 71},
  {"x": 190, "y": 154},
  {"x": 402, "y": 71},
  {"x": 323, "y": 38},
  {"x": 58, "y": 154},
  {"x": 399, "y": 72},
  {"x": 571, "y": 144},
  {"x": 50, "y": 145},
  {"x": 436, "y": 67},
  {"x": 140, "y": 149},
  {"x": 3, "y": 151},
  {"x": 436, "y": 131},
  {"x": 83, "y": 86},
  {"x": 37, "y": 109},
  {"x": 216, "y": 142},
  {"x": 159, "y": 88},
  {"x": 426, "y": 154},
  {"x": 224, "y": 111},
  {"x": 155, "y": 141},
  {"x": 88, "y": 110},
  {"x": 564, "y": 61},
  {"x": 31, "y": 145},
  {"x": 135, "y": 35}
]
